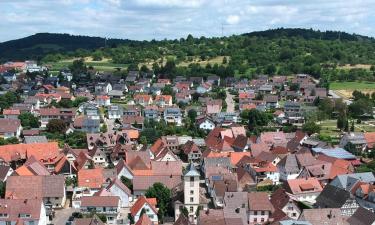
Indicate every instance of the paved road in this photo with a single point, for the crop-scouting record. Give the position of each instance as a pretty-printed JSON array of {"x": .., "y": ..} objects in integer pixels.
[
  {"x": 336, "y": 96},
  {"x": 230, "y": 102}
]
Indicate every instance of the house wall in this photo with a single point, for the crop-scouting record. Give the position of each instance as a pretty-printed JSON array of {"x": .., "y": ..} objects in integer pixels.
[
  {"x": 292, "y": 210},
  {"x": 43, "y": 217},
  {"x": 284, "y": 176},
  {"x": 307, "y": 197},
  {"x": 150, "y": 213},
  {"x": 126, "y": 173},
  {"x": 255, "y": 217},
  {"x": 124, "y": 197}
]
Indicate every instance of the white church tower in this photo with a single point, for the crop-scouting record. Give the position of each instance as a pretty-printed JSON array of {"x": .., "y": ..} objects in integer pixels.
[{"x": 191, "y": 193}]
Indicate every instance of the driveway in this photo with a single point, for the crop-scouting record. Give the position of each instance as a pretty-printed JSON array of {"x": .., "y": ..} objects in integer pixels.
[
  {"x": 230, "y": 102},
  {"x": 62, "y": 215}
]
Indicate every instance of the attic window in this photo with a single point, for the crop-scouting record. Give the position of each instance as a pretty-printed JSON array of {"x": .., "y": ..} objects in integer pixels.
[{"x": 23, "y": 215}]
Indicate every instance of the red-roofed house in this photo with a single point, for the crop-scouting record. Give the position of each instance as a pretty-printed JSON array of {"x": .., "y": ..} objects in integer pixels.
[
  {"x": 304, "y": 190},
  {"x": 143, "y": 99},
  {"x": 47, "y": 153},
  {"x": 163, "y": 100},
  {"x": 103, "y": 100},
  {"x": 11, "y": 113},
  {"x": 10, "y": 128},
  {"x": 149, "y": 204},
  {"x": 370, "y": 139},
  {"x": 106, "y": 205}
]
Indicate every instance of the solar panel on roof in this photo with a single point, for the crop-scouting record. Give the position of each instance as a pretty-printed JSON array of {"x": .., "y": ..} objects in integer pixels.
[{"x": 216, "y": 178}]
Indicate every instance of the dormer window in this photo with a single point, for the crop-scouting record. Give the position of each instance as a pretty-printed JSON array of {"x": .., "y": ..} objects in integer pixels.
[{"x": 24, "y": 215}]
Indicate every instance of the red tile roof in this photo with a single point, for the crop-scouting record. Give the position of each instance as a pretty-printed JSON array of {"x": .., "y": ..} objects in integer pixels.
[
  {"x": 91, "y": 178},
  {"x": 141, "y": 201},
  {"x": 44, "y": 152},
  {"x": 103, "y": 201},
  {"x": 370, "y": 138}
]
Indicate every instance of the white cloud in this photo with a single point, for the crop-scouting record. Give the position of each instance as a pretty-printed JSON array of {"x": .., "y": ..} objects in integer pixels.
[
  {"x": 159, "y": 19},
  {"x": 233, "y": 19},
  {"x": 170, "y": 3}
]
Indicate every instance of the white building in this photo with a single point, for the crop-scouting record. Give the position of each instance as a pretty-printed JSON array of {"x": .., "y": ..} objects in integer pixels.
[{"x": 191, "y": 194}]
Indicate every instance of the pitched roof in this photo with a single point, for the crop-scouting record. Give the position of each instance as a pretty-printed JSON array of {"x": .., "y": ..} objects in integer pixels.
[
  {"x": 144, "y": 220},
  {"x": 45, "y": 152},
  {"x": 362, "y": 216},
  {"x": 15, "y": 207},
  {"x": 9, "y": 125},
  {"x": 88, "y": 221},
  {"x": 211, "y": 216},
  {"x": 4, "y": 171},
  {"x": 37, "y": 187},
  {"x": 298, "y": 186},
  {"x": 329, "y": 216},
  {"x": 289, "y": 163},
  {"x": 104, "y": 201},
  {"x": 182, "y": 220},
  {"x": 119, "y": 184},
  {"x": 142, "y": 182},
  {"x": 91, "y": 178},
  {"x": 259, "y": 201},
  {"x": 141, "y": 201},
  {"x": 370, "y": 138},
  {"x": 32, "y": 167},
  {"x": 332, "y": 197},
  {"x": 279, "y": 198}
]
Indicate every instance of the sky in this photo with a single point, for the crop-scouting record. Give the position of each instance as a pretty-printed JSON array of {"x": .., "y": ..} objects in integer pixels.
[{"x": 170, "y": 19}]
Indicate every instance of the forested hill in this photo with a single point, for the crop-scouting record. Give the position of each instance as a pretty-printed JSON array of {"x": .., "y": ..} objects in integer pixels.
[
  {"x": 336, "y": 55},
  {"x": 308, "y": 34},
  {"x": 38, "y": 45}
]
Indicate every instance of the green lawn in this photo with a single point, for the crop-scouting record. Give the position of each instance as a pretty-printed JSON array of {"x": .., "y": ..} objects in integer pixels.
[
  {"x": 329, "y": 127},
  {"x": 100, "y": 66},
  {"x": 352, "y": 86}
]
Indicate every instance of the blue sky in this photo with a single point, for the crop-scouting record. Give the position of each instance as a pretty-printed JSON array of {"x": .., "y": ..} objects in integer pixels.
[{"x": 159, "y": 19}]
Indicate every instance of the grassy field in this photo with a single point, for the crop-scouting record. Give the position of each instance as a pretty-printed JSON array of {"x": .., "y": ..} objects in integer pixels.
[
  {"x": 104, "y": 65},
  {"x": 329, "y": 127},
  {"x": 358, "y": 66},
  {"x": 352, "y": 86},
  {"x": 345, "y": 89}
]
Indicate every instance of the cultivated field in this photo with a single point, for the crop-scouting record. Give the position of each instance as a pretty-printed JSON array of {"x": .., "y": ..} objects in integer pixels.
[{"x": 345, "y": 89}]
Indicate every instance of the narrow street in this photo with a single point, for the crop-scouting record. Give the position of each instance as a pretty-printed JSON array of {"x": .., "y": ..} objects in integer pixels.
[{"x": 230, "y": 102}]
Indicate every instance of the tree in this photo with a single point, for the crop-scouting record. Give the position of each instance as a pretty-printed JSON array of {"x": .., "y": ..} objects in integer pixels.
[
  {"x": 163, "y": 197},
  {"x": 78, "y": 67},
  {"x": 352, "y": 126},
  {"x": 256, "y": 118},
  {"x": 2, "y": 189},
  {"x": 8, "y": 99},
  {"x": 184, "y": 211},
  {"x": 311, "y": 128},
  {"x": 143, "y": 140},
  {"x": 127, "y": 182},
  {"x": 56, "y": 126},
  {"x": 167, "y": 90},
  {"x": 28, "y": 120},
  {"x": 12, "y": 140},
  {"x": 270, "y": 69},
  {"x": 342, "y": 122},
  {"x": 78, "y": 100},
  {"x": 144, "y": 69},
  {"x": 103, "y": 128},
  {"x": 192, "y": 113}
]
